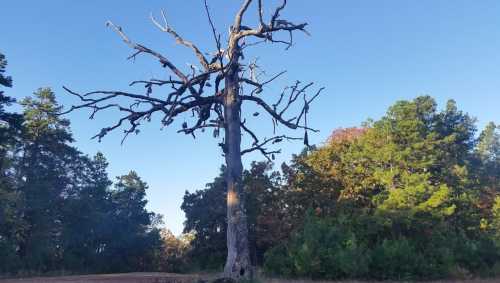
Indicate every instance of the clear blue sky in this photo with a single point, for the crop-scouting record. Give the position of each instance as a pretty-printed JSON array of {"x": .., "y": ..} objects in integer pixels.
[{"x": 367, "y": 54}]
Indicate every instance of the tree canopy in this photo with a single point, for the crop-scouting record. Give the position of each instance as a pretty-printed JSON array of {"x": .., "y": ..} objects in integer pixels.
[
  {"x": 58, "y": 209},
  {"x": 412, "y": 195}
]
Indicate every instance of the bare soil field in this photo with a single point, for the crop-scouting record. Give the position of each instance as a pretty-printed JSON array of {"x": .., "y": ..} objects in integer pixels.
[{"x": 182, "y": 278}]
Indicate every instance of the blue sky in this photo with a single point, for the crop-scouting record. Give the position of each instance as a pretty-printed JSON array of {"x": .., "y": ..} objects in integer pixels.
[{"x": 367, "y": 54}]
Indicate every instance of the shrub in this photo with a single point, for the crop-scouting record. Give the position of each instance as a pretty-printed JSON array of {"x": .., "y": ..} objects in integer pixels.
[
  {"x": 320, "y": 250},
  {"x": 349, "y": 247}
]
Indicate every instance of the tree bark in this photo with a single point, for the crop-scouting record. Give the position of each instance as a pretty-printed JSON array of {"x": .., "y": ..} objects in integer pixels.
[{"x": 238, "y": 263}]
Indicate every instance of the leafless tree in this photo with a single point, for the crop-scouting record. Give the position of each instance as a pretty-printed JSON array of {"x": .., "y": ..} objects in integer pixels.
[{"x": 214, "y": 93}]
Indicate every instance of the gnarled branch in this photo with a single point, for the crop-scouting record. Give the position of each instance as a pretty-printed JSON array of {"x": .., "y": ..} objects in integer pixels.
[{"x": 187, "y": 90}]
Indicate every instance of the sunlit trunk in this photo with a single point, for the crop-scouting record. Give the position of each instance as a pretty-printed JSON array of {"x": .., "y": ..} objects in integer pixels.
[{"x": 238, "y": 257}]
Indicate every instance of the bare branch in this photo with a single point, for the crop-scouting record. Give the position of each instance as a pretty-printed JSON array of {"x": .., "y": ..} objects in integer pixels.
[
  {"x": 171, "y": 107},
  {"x": 276, "y": 14},
  {"x": 260, "y": 85},
  {"x": 260, "y": 146},
  {"x": 275, "y": 115},
  {"x": 166, "y": 28},
  {"x": 307, "y": 103},
  {"x": 261, "y": 14},
  {"x": 278, "y": 115},
  {"x": 191, "y": 130},
  {"x": 220, "y": 53},
  {"x": 188, "y": 88},
  {"x": 142, "y": 49},
  {"x": 239, "y": 16},
  {"x": 266, "y": 31},
  {"x": 156, "y": 82},
  {"x": 294, "y": 94}
]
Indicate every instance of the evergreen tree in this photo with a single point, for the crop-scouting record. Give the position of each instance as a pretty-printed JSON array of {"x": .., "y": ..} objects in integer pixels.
[
  {"x": 488, "y": 169},
  {"x": 85, "y": 216},
  {"x": 57, "y": 210},
  {"x": 45, "y": 169},
  {"x": 488, "y": 147},
  {"x": 205, "y": 212},
  {"x": 5, "y": 81},
  {"x": 134, "y": 240},
  {"x": 11, "y": 201}
]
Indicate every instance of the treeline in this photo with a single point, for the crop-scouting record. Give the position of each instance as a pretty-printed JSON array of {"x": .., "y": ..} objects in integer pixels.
[
  {"x": 59, "y": 211},
  {"x": 413, "y": 195}
]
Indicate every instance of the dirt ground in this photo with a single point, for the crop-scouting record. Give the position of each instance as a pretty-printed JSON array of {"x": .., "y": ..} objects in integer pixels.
[
  {"x": 178, "y": 278},
  {"x": 438, "y": 281},
  {"x": 112, "y": 278}
]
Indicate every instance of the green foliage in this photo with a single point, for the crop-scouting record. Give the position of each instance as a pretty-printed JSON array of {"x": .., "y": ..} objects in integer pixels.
[
  {"x": 206, "y": 217},
  {"x": 57, "y": 208},
  {"x": 419, "y": 197},
  {"x": 130, "y": 226},
  {"x": 488, "y": 147},
  {"x": 174, "y": 257},
  {"x": 320, "y": 250},
  {"x": 11, "y": 203},
  {"x": 44, "y": 169},
  {"x": 397, "y": 259},
  {"x": 12, "y": 224},
  {"x": 411, "y": 196},
  {"x": 344, "y": 247},
  {"x": 4, "y": 80}
]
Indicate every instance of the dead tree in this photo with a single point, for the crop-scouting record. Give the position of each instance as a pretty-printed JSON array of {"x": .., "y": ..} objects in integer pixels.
[{"x": 214, "y": 93}]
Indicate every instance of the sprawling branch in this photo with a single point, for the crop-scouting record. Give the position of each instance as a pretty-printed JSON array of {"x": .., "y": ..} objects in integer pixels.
[
  {"x": 142, "y": 49},
  {"x": 278, "y": 110},
  {"x": 186, "y": 91},
  {"x": 135, "y": 112},
  {"x": 278, "y": 115},
  {"x": 214, "y": 95}
]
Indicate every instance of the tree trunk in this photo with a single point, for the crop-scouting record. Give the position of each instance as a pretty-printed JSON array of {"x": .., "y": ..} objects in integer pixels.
[{"x": 238, "y": 263}]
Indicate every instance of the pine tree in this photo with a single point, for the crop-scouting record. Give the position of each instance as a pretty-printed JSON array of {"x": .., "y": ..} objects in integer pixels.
[
  {"x": 85, "y": 215},
  {"x": 134, "y": 240},
  {"x": 11, "y": 201},
  {"x": 45, "y": 170},
  {"x": 488, "y": 147}
]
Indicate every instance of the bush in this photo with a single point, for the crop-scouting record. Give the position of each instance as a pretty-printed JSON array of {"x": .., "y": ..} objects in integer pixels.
[
  {"x": 8, "y": 258},
  {"x": 319, "y": 250},
  {"x": 397, "y": 259},
  {"x": 347, "y": 247}
]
